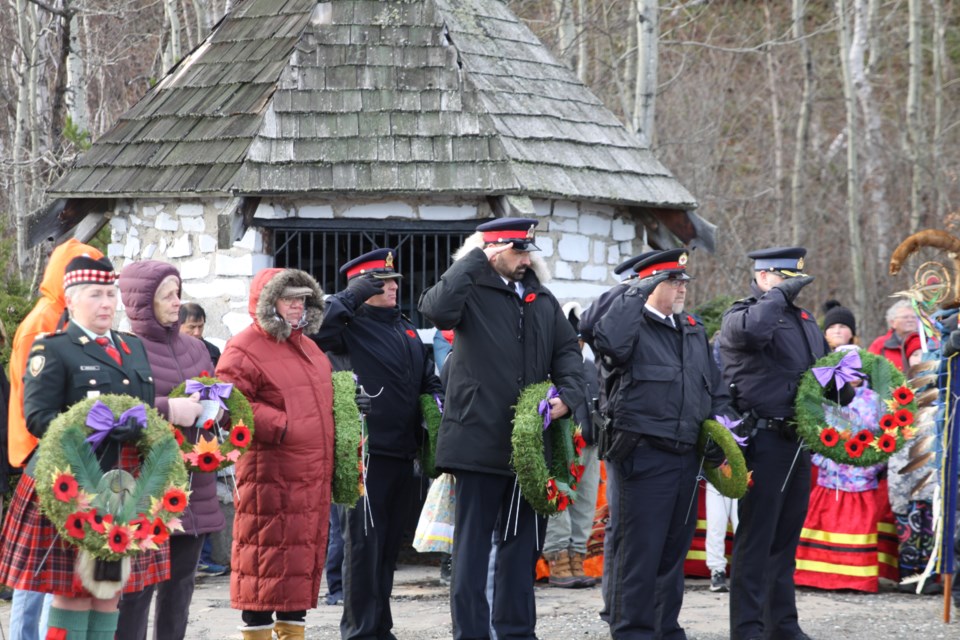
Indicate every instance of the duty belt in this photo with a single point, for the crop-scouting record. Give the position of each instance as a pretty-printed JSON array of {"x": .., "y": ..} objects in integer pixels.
[{"x": 772, "y": 424}]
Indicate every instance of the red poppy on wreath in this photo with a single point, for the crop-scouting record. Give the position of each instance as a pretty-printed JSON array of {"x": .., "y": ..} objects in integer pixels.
[
  {"x": 208, "y": 461},
  {"x": 854, "y": 448},
  {"x": 65, "y": 487},
  {"x": 864, "y": 437},
  {"x": 530, "y": 297},
  {"x": 177, "y": 435},
  {"x": 98, "y": 522},
  {"x": 159, "y": 532},
  {"x": 903, "y": 395},
  {"x": 74, "y": 525},
  {"x": 174, "y": 500},
  {"x": 140, "y": 527},
  {"x": 576, "y": 470},
  {"x": 903, "y": 417},
  {"x": 411, "y": 333},
  {"x": 829, "y": 437},
  {"x": 208, "y": 424},
  {"x": 562, "y": 502},
  {"x": 240, "y": 436},
  {"x": 204, "y": 374},
  {"x": 578, "y": 443},
  {"x": 888, "y": 422},
  {"x": 887, "y": 443},
  {"x": 118, "y": 539},
  {"x": 552, "y": 489}
]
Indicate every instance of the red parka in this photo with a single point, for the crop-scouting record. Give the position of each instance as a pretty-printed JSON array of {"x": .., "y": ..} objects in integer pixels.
[{"x": 282, "y": 514}]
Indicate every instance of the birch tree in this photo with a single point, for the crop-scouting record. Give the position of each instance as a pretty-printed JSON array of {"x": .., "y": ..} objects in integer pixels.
[
  {"x": 802, "y": 134},
  {"x": 648, "y": 31},
  {"x": 914, "y": 129}
]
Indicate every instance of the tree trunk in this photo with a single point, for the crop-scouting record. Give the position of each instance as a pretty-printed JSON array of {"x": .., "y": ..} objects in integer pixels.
[
  {"x": 583, "y": 52},
  {"x": 772, "y": 74},
  {"x": 22, "y": 124},
  {"x": 802, "y": 138},
  {"x": 172, "y": 52},
  {"x": 77, "y": 105},
  {"x": 936, "y": 147},
  {"x": 914, "y": 129},
  {"x": 648, "y": 32},
  {"x": 566, "y": 31}
]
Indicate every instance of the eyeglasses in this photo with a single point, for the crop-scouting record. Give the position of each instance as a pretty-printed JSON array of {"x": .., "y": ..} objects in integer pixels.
[{"x": 293, "y": 301}]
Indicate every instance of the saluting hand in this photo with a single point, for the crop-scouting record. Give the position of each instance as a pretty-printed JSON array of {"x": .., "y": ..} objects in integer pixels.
[{"x": 493, "y": 250}]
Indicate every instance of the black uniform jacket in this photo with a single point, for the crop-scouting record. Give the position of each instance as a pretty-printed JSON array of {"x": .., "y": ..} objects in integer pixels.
[
  {"x": 502, "y": 344},
  {"x": 766, "y": 345},
  {"x": 65, "y": 368},
  {"x": 663, "y": 381},
  {"x": 390, "y": 361}
]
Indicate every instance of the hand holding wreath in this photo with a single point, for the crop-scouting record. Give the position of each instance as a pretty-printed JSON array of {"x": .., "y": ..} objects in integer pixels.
[{"x": 211, "y": 449}]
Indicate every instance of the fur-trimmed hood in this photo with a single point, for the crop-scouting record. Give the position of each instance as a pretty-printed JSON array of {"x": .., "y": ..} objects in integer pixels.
[
  {"x": 537, "y": 262},
  {"x": 267, "y": 287}
]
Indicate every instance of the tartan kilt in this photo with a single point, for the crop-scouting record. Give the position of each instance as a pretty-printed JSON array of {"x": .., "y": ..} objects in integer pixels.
[{"x": 28, "y": 535}]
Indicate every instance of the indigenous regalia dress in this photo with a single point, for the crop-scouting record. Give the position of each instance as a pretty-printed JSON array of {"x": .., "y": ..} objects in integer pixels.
[{"x": 849, "y": 538}]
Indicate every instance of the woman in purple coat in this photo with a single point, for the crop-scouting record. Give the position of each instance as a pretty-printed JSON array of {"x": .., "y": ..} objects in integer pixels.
[{"x": 150, "y": 291}]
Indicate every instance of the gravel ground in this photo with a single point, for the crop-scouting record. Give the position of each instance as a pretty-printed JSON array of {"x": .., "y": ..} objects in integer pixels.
[{"x": 421, "y": 612}]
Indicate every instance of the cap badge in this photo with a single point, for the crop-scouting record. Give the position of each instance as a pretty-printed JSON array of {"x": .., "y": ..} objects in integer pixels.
[
  {"x": 800, "y": 264},
  {"x": 682, "y": 260},
  {"x": 388, "y": 261},
  {"x": 530, "y": 232}
]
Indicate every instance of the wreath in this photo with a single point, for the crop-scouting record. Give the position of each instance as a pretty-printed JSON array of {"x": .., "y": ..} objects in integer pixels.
[
  {"x": 552, "y": 490},
  {"x": 431, "y": 408},
  {"x": 731, "y": 477},
  {"x": 347, "y": 441},
  {"x": 110, "y": 515},
  {"x": 858, "y": 445},
  {"x": 220, "y": 450}
]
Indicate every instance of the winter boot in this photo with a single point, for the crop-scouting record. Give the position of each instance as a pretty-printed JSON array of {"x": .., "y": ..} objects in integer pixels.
[
  {"x": 560, "y": 574},
  {"x": 576, "y": 570},
  {"x": 264, "y": 632},
  {"x": 290, "y": 630}
]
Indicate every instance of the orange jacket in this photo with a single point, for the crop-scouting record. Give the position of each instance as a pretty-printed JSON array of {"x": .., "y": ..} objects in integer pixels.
[{"x": 44, "y": 318}]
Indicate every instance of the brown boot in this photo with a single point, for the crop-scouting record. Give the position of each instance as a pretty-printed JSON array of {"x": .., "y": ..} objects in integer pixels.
[
  {"x": 576, "y": 570},
  {"x": 257, "y": 633},
  {"x": 287, "y": 630},
  {"x": 560, "y": 575}
]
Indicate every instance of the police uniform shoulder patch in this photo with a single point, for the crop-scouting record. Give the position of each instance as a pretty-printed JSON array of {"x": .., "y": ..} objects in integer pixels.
[{"x": 35, "y": 366}]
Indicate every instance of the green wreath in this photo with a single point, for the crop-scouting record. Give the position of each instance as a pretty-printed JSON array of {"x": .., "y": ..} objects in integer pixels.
[
  {"x": 730, "y": 478},
  {"x": 869, "y": 444},
  {"x": 430, "y": 409},
  {"x": 348, "y": 459},
  {"x": 220, "y": 451},
  {"x": 111, "y": 515},
  {"x": 552, "y": 490}
]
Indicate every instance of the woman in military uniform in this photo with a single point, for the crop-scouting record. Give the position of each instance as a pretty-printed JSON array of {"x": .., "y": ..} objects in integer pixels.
[{"x": 84, "y": 361}]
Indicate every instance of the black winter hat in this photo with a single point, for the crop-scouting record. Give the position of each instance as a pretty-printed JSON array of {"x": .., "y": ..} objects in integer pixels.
[{"x": 838, "y": 314}]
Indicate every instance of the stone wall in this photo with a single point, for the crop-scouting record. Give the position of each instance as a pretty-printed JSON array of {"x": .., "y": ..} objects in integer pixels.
[{"x": 581, "y": 243}]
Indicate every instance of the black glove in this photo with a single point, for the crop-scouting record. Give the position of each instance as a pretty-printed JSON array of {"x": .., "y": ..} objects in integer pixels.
[
  {"x": 622, "y": 444},
  {"x": 365, "y": 287},
  {"x": 843, "y": 397},
  {"x": 713, "y": 455},
  {"x": 364, "y": 402},
  {"x": 128, "y": 431},
  {"x": 645, "y": 286},
  {"x": 791, "y": 286},
  {"x": 951, "y": 346}
]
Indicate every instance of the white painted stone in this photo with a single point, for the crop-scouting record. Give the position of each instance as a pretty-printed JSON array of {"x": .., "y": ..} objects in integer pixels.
[
  {"x": 118, "y": 225},
  {"x": 314, "y": 211},
  {"x": 542, "y": 207},
  {"x": 594, "y": 225},
  {"x": 195, "y": 269},
  {"x": 267, "y": 211},
  {"x": 252, "y": 240},
  {"x": 148, "y": 251},
  {"x": 624, "y": 230},
  {"x": 563, "y": 225},
  {"x": 150, "y": 211},
  {"x": 165, "y": 222},
  {"x": 380, "y": 210},
  {"x": 190, "y": 210},
  {"x": 135, "y": 221},
  {"x": 132, "y": 248},
  {"x": 447, "y": 212},
  {"x": 546, "y": 246},
  {"x": 193, "y": 225},
  {"x": 592, "y": 273},
  {"x": 577, "y": 290},
  {"x": 163, "y": 245},
  {"x": 207, "y": 243},
  {"x": 245, "y": 265},
  {"x": 219, "y": 343},
  {"x": 626, "y": 248},
  {"x": 574, "y": 247},
  {"x": 613, "y": 254},
  {"x": 236, "y": 322},
  {"x": 124, "y": 324},
  {"x": 230, "y": 287},
  {"x": 599, "y": 252},
  {"x": 565, "y": 209},
  {"x": 135, "y": 232},
  {"x": 181, "y": 247},
  {"x": 562, "y": 271},
  {"x": 114, "y": 249}
]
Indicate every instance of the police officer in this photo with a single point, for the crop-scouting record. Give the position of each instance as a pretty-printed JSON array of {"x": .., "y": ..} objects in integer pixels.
[
  {"x": 766, "y": 345},
  {"x": 364, "y": 324},
  {"x": 662, "y": 384}
]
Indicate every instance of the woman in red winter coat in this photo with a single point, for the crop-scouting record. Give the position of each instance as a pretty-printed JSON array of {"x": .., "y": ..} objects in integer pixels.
[{"x": 280, "y": 528}]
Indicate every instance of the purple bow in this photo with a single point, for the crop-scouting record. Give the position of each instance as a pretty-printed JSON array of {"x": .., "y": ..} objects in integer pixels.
[
  {"x": 730, "y": 426},
  {"x": 100, "y": 419},
  {"x": 847, "y": 370},
  {"x": 544, "y": 407},
  {"x": 439, "y": 402},
  {"x": 216, "y": 391}
]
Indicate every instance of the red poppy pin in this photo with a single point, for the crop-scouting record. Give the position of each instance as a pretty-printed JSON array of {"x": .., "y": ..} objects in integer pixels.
[
  {"x": 804, "y": 315},
  {"x": 692, "y": 322},
  {"x": 530, "y": 297},
  {"x": 126, "y": 349},
  {"x": 411, "y": 333}
]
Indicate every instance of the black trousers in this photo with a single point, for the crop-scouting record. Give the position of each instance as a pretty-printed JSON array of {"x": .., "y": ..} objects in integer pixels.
[
  {"x": 651, "y": 526},
  {"x": 265, "y": 618},
  {"x": 487, "y": 505},
  {"x": 371, "y": 548},
  {"x": 762, "y": 598}
]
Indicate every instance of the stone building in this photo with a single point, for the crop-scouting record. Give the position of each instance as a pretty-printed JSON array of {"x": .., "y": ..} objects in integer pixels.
[{"x": 302, "y": 133}]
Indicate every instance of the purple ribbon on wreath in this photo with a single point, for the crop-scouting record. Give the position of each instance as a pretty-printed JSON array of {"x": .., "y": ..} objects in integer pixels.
[
  {"x": 544, "y": 407},
  {"x": 730, "y": 425},
  {"x": 216, "y": 391},
  {"x": 100, "y": 419},
  {"x": 439, "y": 402},
  {"x": 847, "y": 370}
]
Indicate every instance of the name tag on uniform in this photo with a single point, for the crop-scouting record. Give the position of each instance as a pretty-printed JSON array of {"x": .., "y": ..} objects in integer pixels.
[
  {"x": 93, "y": 394},
  {"x": 89, "y": 367}
]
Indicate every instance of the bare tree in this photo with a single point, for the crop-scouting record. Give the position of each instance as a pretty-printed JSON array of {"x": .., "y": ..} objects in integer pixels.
[
  {"x": 801, "y": 137},
  {"x": 914, "y": 129},
  {"x": 648, "y": 32}
]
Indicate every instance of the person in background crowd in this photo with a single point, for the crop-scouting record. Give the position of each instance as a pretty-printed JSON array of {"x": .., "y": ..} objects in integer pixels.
[
  {"x": 654, "y": 413},
  {"x": 565, "y": 546},
  {"x": 28, "y": 611},
  {"x": 364, "y": 323},
  {"x": 442, "y": 347},
  {"x": 510, "y": 333},
  {"x": 849, "y": 507},
  {"x": 901, "y": 340},
  {"x": 85, "y": 360},
  {"x": 150, "y": 291},
  {"x": 284, "y": 480},
  {"x": 767, "y": 343},
  {"x": 720, "y": 511}
]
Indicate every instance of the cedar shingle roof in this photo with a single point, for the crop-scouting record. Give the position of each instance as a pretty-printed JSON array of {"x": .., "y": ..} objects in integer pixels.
[{"x": 370, "y": 98}]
